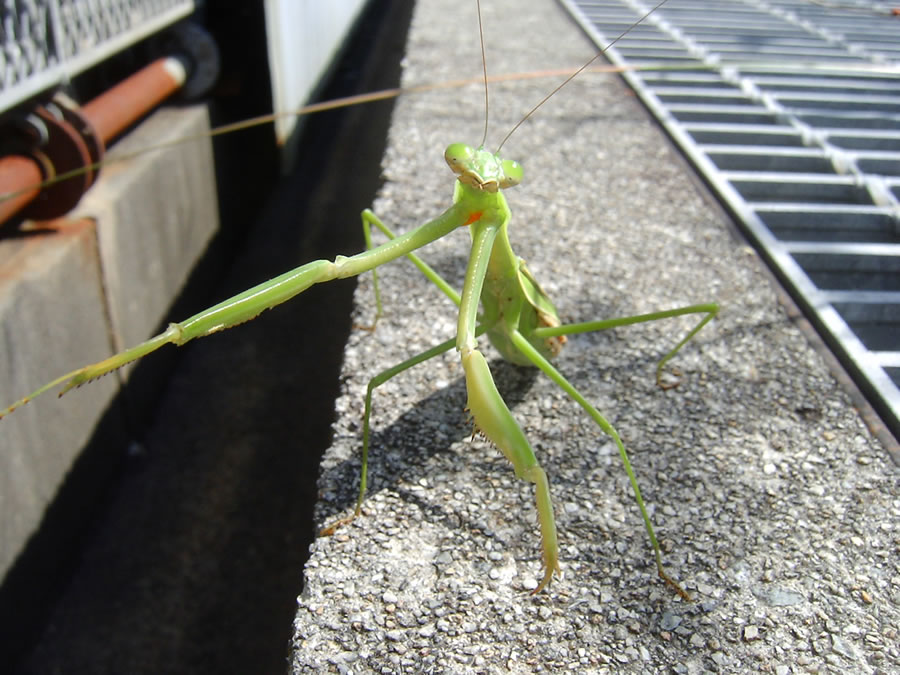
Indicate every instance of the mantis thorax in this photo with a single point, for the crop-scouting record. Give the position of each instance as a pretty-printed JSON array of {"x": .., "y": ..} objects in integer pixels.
[{"x": 482, "y": 169}]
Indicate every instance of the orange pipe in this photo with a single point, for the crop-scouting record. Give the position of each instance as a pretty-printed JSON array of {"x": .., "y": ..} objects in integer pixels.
[
  {"x": 17, "y": 173},
  {"x": 118, "y": 108},
  {"x": 109, "y": 114}
]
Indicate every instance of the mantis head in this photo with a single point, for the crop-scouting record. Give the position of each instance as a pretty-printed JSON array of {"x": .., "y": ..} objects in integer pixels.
[{"x": 482, "y": 169}]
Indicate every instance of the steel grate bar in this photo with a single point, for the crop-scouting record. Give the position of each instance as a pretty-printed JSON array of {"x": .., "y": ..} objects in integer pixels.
[{"x": 791, "y": 112}]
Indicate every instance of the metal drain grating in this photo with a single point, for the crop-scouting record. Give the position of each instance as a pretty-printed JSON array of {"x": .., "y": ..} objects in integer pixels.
[{"x": 791, "y": 111}]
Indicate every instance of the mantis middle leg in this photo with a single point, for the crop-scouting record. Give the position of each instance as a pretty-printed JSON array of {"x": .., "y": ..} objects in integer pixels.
[
  {"x": 368, "y": 220},
  {"x": 374, "y": 383}
]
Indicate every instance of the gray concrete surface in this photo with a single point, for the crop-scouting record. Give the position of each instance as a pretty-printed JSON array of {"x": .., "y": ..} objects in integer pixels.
[
  {"x": 776, "y": 507},
  {"x": 120, "y": 257},
  {"x": 39, "y": 277}
]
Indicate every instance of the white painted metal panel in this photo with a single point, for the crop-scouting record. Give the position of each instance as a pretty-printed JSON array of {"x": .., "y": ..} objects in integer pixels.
[{"x": 303, "y": 38}]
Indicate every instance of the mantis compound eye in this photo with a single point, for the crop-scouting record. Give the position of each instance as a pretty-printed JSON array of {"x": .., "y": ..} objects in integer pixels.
[
  {"x": 459, "y": 156},
  {"x": 512, "y": 173}
]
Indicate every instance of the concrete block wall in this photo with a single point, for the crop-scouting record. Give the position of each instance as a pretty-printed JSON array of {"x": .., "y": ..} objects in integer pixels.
[{"x": 102, "y": 279}]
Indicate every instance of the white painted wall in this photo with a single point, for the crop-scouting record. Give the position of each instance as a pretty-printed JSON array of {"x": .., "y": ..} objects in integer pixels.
[{"x": 303, "y": 38}]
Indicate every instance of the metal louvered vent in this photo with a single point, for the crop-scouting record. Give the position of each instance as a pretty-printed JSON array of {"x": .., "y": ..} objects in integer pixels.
[
  {"x": 46, "y": 42},
  {"x": 791, "y": 111}
]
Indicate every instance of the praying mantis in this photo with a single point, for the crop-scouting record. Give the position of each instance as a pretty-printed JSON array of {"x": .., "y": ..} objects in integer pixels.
[{"x": 516, "y": 314}]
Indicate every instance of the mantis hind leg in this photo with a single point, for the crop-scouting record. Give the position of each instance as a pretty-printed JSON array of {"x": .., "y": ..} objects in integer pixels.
[
  {"x": 710, "y": 309},
  {"x": 541, "y": 362}
]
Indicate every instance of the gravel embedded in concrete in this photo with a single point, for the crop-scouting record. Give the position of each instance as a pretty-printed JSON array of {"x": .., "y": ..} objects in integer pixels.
[{"x": 775, "y": 506}]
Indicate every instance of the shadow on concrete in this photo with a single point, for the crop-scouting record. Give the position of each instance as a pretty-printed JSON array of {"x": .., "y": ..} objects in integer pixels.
[{"x": 193, "y": 556}]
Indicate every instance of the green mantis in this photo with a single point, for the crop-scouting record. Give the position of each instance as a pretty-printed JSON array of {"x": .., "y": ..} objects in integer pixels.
[{"x": 516, "y": 314}]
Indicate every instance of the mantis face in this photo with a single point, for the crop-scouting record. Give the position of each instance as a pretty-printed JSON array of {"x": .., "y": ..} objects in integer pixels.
[{"x": 482, "y": 169}]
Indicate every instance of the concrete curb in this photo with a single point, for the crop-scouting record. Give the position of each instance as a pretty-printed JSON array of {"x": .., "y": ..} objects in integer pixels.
[
  {"x": 104, "y": 280},
  {"x": 776, "y": 507}
]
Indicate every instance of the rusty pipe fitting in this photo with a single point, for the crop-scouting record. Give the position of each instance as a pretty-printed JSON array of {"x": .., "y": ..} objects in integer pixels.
[{"x": 77, "y": 138}]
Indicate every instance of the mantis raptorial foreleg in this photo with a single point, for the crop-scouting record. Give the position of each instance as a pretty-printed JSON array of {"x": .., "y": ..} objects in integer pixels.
[
  {"x": 368, "y": 220},
  {"x": 252, "y": 302}
]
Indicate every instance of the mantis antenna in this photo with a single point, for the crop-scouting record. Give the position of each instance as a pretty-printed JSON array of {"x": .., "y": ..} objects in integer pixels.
[
  {"x": 568, "y": 79},
  {"x": 484, "y": 70}
]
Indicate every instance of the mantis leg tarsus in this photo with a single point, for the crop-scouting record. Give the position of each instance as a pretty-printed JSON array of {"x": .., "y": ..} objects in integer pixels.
[
  {"x": 711, "y": 310},
  {"x": 89, "y": 373},
  {"x": 673, "y": 584},
  {"x": 331, "y": 529},
  {"x": 671, "y": 384}
]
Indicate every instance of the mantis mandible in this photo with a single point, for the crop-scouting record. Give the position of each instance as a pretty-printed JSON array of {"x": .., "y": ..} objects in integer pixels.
[{"x": 516, "y": 314}]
